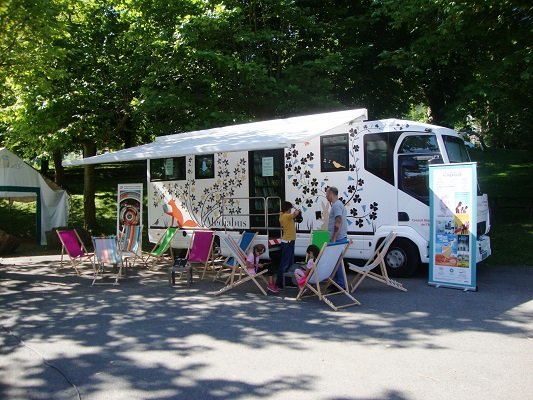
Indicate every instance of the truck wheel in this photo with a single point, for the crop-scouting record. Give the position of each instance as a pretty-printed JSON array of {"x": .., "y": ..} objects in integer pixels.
[{"x": 402, "y": 259}]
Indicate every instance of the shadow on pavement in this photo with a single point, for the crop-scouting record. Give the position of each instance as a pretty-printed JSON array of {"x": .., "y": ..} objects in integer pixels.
[{"x": 137, "y": 338}]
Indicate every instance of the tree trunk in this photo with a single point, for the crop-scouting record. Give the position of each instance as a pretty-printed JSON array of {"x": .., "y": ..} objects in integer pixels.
[
  {"x": 89, "y": 205},
  {"x": 59, "y": 176},
  {"x": 45, "y": 166}
]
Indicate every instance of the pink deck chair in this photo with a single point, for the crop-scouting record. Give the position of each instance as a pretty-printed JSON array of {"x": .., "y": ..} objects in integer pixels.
[
  {"x": 199, "y": 254},
  {"x": 74, "y": 248},
  {"x": 107, "y": 252}
]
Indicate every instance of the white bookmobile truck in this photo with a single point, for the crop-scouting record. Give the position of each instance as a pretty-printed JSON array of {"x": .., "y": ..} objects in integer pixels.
[{"x": 234, "y": 178}]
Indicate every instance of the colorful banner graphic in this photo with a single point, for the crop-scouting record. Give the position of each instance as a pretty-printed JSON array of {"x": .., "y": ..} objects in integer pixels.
[
  {"x": 129, "y": 204},
  {"x": 452, "y": 244}
]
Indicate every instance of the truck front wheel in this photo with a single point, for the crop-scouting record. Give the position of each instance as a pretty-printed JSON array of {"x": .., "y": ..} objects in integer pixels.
[{"x": 402, "y": 259}]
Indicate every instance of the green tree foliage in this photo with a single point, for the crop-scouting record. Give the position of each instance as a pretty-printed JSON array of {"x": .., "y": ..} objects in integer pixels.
[
  {"x": 105, "y": 74},
  {"x": 471, "y": 61}
]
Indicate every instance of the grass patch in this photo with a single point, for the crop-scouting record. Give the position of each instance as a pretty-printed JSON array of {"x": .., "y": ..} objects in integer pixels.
[
  {"x": 506, "y": 174},
  {"x": 511, "y": 236}
]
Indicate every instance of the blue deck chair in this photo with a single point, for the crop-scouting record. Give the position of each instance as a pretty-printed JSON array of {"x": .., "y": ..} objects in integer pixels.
[
  {"x": 130, "y": 243},
  {"x": 228, "y": 263},
  {"x": 107, "y": 253},
  {"x": 240, "y": 273}
]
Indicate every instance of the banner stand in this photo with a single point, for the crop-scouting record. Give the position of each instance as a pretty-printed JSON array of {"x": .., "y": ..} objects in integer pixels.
[
  {"x": 129, "y": 205},
  {"x": 453, "y": 226}
]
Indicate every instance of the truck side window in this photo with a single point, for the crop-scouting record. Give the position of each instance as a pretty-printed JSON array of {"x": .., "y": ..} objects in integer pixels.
[
  {"x": 414, "y": 156},
  {"x": 204, "y": 166},
  {"x": 456, "y": 149},
  {"x": 334, "y": 153},
  {"x": 419, "y": 144},
  {"x": 167, "y": 169},
  {"x": 378, "y": 155}
]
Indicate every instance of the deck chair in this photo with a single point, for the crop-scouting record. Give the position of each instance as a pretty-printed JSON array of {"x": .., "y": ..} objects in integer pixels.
[
  {"x": 318, "y": 238},
  {"x": 73, "y": 246},
  {"x": 130, "y": 243},
  {"x": 161, "y": 247},
  {"x": 322, "y": 275},
  {"x": 240, "y": 274},
  {"x": 377, "y": 260},
  {"x": 228, "y": 263},
  {"x": 107, "y": 252},
  {"x": 199, "y": 253}
]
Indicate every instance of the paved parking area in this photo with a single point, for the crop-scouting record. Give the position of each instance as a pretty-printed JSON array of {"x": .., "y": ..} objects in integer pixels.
[{"x": 63, "y": 339}]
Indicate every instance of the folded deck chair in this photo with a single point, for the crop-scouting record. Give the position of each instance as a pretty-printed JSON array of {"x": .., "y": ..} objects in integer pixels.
[
  {"x": 130, "y": 243},
  {"x": 322, "y": 275},
  {"x": 161, "y": 247},
  {"x": 228, "y": 263},
  {"x": 73, "y": 246},
  {"x": 240, "y": 273},
  {"x": 377, "y": 260},
  {"x": 107, "y": 253}
]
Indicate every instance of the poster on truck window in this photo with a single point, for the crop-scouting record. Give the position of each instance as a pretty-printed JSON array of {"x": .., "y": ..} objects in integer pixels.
[
  {"x": 129, "y": 205},
  {"x": 452, "y": 242}
]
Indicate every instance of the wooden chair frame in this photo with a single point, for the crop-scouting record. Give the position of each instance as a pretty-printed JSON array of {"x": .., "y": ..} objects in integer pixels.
[
  {"x": 377, "y": 260},
  {"x": 163, "y": 245},
  {"x": 240, "y": 274},
  {"x": 322, "y": 275},
  {"x": 107, "y": 251},
  {"x": 73, "y": 246}
]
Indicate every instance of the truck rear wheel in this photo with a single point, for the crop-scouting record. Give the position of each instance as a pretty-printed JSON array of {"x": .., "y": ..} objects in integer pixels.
[{"x": 402, "y": 259}]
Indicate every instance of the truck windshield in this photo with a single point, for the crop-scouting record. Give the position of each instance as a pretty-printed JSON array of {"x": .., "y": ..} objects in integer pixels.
[{"x": 456, "y": 149}]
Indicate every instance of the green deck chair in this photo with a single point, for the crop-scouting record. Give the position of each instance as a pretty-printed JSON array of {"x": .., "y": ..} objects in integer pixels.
[
  {"x": 319, "y": 237},
  {"x": 161, "y": 247}
]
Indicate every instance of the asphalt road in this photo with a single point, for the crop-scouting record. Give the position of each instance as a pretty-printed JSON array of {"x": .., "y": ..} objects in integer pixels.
[{"x": 63, "y": 339}]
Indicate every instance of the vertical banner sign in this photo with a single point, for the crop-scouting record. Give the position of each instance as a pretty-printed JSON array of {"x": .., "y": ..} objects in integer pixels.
[
  {"x": 129, "y": 204},
  {"x": 453, "y": 214}
]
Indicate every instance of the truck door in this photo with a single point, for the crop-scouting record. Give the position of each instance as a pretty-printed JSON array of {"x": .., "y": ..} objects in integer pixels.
[{"x": 267, "y": 188}]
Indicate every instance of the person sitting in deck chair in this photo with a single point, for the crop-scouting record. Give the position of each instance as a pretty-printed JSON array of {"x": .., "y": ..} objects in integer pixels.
[
  {"x": 253, "y": 265},
  {"x": 300, "y": 274}
]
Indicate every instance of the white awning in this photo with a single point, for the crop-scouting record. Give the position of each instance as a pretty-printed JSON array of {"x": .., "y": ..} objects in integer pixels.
[{"x": 273, "y": 134}]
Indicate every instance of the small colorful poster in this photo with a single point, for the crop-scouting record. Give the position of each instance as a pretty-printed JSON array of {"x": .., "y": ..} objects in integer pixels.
[
  {"x": 452, "y": 216},
  {"x": 129, "y": 204}
]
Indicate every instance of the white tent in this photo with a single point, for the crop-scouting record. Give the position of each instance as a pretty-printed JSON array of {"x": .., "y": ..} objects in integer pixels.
[
  {"x": 273, "y": 134},
  {"x": 20, "y": 182}
]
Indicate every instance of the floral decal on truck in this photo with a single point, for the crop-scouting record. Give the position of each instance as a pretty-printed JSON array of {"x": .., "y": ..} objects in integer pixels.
[
  {"x": 303, "y": 171},
  {"x": 202, "y": 202}
]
